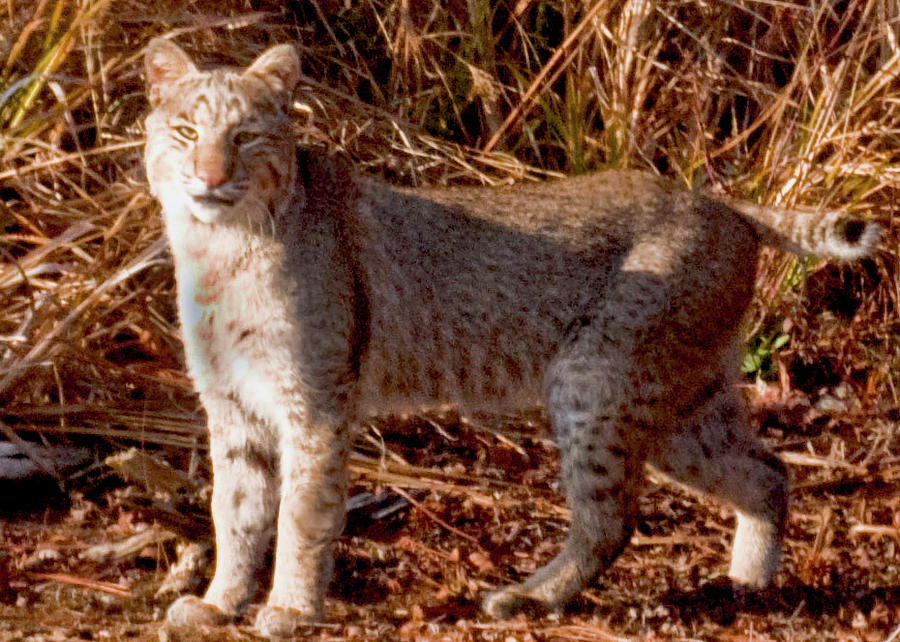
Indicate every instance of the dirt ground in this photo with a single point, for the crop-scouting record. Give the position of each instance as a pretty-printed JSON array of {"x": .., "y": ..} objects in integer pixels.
[{"x": 480, "y": 507}]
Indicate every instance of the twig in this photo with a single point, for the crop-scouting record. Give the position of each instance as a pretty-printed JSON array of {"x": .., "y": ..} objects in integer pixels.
[
  {"x": 893, "y": 635},
  {"x": 65, "y": 158},
  {"x": 435, "y": 518},
  {"x": 97, "y": 585},
  {"x": 538, "y": 82}
]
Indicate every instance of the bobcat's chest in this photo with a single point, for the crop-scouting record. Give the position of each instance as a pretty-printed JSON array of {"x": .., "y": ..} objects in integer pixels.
[{"x": 237, "y": 334}]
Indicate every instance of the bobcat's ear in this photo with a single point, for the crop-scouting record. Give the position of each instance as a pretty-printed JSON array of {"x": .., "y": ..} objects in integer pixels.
[
  {"x": 164, "y": 63},
  {"x": 279, "y": 68}
]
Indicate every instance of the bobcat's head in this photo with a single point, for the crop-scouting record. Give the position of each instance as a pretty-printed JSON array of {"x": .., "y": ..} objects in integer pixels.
[{"x": 219, "y": 144}]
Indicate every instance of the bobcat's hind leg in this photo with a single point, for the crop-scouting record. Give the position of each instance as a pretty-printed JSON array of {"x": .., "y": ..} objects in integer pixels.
[
  {"x": 601, "y": 468},
  {"x": 604, "y": 390},
  {"x": 244, "y": 500},
  {"x": 714, "y": 451}
]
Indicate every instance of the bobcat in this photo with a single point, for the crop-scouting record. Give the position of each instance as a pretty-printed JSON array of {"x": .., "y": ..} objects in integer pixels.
[{"x": 310, "y": 299}]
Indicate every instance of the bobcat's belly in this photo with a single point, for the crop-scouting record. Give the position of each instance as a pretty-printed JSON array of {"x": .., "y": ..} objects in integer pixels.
[{"x": 490, "y": 377}]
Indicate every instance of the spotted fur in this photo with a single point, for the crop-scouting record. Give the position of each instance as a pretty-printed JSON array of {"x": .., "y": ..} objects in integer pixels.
[{"x": 310, "y": 300}]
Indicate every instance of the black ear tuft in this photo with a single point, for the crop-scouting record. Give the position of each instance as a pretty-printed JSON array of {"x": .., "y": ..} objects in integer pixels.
[{"x": 853, "y": 230}]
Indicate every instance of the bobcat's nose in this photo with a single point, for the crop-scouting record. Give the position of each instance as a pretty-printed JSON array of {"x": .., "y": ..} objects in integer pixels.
[
  {"x": 211, "y": 178},
  {"x": 211, "y": 166}
]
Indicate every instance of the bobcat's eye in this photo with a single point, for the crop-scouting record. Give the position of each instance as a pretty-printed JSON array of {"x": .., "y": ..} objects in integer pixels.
[
  {"x": 186, "y": 132},
  {"x": 244, "y": 137}
]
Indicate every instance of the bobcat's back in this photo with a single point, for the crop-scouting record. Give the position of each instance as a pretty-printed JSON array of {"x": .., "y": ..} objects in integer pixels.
[{"x": 492, "y": 281}]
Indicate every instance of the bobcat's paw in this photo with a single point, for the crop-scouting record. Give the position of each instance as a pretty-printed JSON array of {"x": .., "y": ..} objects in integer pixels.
[
  {"x": 191, "y": 611},
  {"x": 278, "y": 621},
  {"x": 508, "y": 601}
]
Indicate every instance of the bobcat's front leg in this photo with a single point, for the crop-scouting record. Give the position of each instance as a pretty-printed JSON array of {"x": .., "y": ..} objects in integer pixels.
[
  {"x": 311, "y": 516},
  {"x": 244, "y": 501}
]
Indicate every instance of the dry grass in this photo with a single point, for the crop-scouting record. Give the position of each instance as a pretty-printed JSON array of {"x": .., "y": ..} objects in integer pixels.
[
  {"x": 777, "y": 102},
  {"x": 780, "y": 104}
]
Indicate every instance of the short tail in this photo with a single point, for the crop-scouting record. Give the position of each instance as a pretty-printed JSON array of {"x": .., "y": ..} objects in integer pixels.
[{"x": 830, "y": 234}]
